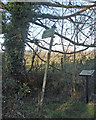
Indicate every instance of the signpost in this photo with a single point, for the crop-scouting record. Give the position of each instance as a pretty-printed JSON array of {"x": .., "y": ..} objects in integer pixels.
[
  {"x": 47, "y": 33},
  {"x": 87, "y": 73}
]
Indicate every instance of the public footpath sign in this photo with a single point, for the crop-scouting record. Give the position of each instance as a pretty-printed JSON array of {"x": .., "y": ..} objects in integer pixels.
[
  {"x": 48, "y": 33},
  {"x": 87, "y": 73}
]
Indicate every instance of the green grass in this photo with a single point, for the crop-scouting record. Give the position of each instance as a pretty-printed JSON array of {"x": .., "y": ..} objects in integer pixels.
[
  {"x": 61, "y": 109},
  {"x": 69, "y": 109}
]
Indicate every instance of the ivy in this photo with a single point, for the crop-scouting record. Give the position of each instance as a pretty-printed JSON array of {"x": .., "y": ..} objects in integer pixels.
[{"x": 15, "y": 31}]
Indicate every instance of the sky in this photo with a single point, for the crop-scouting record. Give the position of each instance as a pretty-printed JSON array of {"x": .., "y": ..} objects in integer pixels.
[
  {"x": 40, "y": 35},
  {"x": 1, "y": 40}
]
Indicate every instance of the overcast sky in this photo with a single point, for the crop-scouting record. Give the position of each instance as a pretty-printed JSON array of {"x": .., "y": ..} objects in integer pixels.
[{"x": 40, "y": 35}]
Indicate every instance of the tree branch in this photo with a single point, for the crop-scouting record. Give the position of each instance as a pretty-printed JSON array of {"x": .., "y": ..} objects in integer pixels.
[
  {"x": 64, "y": 6},
  {"x": 40, "y": 57},
  {"x": 73, "y": 42},
  {"x": 33, "y": 41},
  {"x": 3, "y": 6},
  {"x": 49, "y": 16}
]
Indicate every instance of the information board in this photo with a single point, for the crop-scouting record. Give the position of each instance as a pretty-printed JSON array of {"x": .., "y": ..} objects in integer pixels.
[{"x": 87, "y": 72}]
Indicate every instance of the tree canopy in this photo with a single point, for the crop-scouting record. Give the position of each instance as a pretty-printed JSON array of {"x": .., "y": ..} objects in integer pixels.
[{"x": 24, "y": 22}]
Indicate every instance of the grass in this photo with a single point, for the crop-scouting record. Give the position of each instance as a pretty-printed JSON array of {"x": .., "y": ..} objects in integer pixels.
[
  {"x": 51, "y": 109},
  {"x": 70, "y": 109}
]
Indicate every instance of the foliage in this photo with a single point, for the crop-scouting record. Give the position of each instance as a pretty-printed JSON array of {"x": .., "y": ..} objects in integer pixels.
[
  {"x": 59, "y": 101},
  {"x": 15, "y": 31},
  {"x": 18, "y": 16},
  {"x": 62, "y": 84},
  {"x": 23, "y": 90},
  {"x": 70, "y": 109}
]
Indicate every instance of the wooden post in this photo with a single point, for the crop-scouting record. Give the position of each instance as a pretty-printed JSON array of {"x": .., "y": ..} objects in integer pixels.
[
  {"x": 53, "y": 64},
  {"x": 61, "y": 63},
  {"x": 87, "y": 99}
]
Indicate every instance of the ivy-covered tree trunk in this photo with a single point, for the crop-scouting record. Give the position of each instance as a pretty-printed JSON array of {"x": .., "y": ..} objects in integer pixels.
[
  {"x": 16, "y": 33},
  {"x": 15, "y": 46}
]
